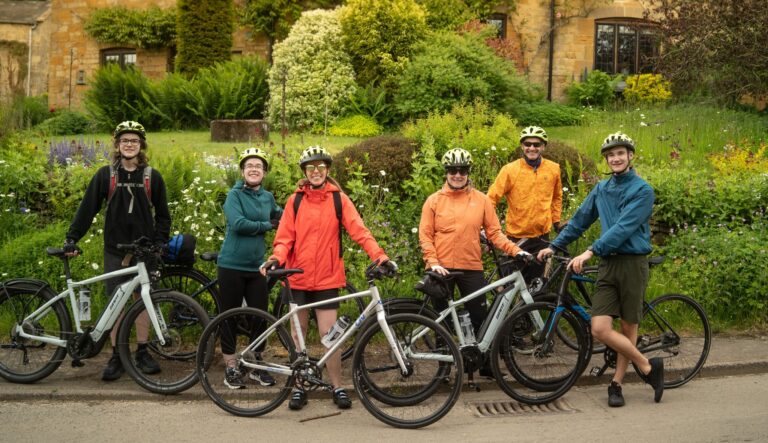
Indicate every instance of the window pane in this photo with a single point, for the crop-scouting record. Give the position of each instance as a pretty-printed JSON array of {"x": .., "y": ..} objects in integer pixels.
[
  {"x": 625, "y": 62},
  {"x": 130, "y": 59},
  {"x": 111, "y": 58},
  {"x": 604, "y": 45},
  {"x": 498, "y": 21},
  {"x": 647, "y": 49}
]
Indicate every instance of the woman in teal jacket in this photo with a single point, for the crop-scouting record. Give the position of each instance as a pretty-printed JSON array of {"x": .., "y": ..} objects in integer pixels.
[{"x": 251, "y": 212}]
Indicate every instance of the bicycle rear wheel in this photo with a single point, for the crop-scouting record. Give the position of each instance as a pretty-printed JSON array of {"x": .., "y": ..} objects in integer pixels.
[
  {"x": 185, "y": 321},
  {"x": 352, "y": 308},
  {"x": 24, "y": 360},
  {"x": 541, "y": 366},
  {"x": 429, "y": 388},
  {"x": 675, "y": 328},
  {"x": 193, "y": 283},
  {"x": 256, "y": 398}
]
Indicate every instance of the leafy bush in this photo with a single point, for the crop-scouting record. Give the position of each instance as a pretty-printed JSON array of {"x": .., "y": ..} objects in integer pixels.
[
  {"x": 204, "y": 34},
  {"x": 386, "y": 158},
  {"x": 448, "y": 69},
  {"x": 150, "y": 28},
  {"x": 171, "y": 102},
  {"x": 372, "y": 101},
  {"x": 232, "y": 90},
  {"x": 23, "y": 180},
  {"x": 647, "y": 88},
  {"x": 546, "y": 114},
  {"x": 724, "y": 270},
  {"x": 488, "y": 135},
  {"x": 117, "y": 95},
  {"x": 576, "y": 169},
  {"x": 66, "y": 122},
  {"x": 597, "y": 90},
  {"x": 379, "y": 36},
  {"x": 355, "y": 126},
  {"x": 318, "y": 75},
  {"x": 23, "y": 113}
]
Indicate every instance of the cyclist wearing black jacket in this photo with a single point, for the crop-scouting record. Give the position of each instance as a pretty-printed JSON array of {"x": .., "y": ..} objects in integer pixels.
[{"x": 137, "y": 207}]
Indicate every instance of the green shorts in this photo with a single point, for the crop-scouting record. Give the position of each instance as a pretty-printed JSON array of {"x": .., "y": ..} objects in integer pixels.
[{"x": 621, "y": 284}]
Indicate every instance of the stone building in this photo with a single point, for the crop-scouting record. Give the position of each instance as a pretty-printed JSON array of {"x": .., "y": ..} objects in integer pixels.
[
  {"x": 609, "y": 35},
  {"x": 24, "y": 42}
]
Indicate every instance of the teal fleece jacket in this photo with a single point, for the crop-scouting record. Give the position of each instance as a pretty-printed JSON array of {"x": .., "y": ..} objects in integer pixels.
[
  {"x": 624, "y": 204},
  {"x": 248, "y": 214}
]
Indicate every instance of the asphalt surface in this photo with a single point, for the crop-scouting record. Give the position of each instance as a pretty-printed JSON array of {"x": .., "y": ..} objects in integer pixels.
[{"x": 728, "y": 356}]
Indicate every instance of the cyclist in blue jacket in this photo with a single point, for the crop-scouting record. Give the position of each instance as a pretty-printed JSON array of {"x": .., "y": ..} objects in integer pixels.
[{"x": 623, "y": 203}]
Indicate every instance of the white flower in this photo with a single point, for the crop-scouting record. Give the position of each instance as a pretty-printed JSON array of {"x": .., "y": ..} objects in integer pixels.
[
  {"x": 493, "y": 148},
  {"x": 565, "y": 189},
  {"x": 40, "y": 263},
  {"x": 374, "y": 186},
  {"x": 187, "y": 218},
  {"x": 385, "y": 189},
  {"x": 95, "y": 266},
  {"x": 643, "y": 124},
  {"x": 383, "y": 173},
  {"x": 211, "y": 232},
  {"x": 175, "y": 232},
  {"x": 5, "y": 274},
  {"x": 208, "y": 238},
  {"x": 414, "y": 230},
  {"x": 88, "y": 241}
]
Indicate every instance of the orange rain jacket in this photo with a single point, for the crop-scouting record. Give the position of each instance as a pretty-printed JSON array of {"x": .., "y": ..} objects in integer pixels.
[
  {"x": 534, "y": 198},
  {"x": 449, "y": 231},
  {"x": 311, "y": 242}
]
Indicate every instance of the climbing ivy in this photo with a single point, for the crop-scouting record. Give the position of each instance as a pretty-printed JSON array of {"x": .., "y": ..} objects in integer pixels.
[{"x": 150, "y": 28}]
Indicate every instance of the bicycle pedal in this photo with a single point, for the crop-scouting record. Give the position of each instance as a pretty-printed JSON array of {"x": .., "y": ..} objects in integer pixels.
[
  {"x": 77, "y": 363},
  {"x": 597, "y": 371}
]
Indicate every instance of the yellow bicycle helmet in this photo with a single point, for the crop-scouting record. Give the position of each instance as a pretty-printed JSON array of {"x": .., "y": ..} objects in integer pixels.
[
  {"x": 617, "y": 139},
  {"x": 254, "y": 153},
  {"x": 534, "y": 131},
  {"x": 313, "y": 153},
  {"x": 457, "y": 157},
  {"x": 129, "y": 126}
]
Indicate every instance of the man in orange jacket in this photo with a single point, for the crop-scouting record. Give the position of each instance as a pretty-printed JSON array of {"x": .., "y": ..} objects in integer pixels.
[
  {"x": 534, "y": 195},
  {"x": 449, "y": 234}
]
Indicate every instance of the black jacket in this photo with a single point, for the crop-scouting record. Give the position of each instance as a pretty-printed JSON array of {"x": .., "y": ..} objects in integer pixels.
[{"x": 123, "y": 223}]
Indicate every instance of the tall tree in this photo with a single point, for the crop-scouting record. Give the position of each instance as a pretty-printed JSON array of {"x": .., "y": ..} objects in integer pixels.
[
  {"x": 204, "y": 31},
  {"x": 715, "y": 45}
]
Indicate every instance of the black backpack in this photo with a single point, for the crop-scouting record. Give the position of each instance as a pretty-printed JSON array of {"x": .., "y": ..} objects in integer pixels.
[{"x": 336, "y": 204}]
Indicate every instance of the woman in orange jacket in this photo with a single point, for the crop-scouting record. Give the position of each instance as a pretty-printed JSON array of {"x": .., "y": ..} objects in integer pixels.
[
  {"x": 449, "y": 233},
  {"x": 309, "y": 238}
]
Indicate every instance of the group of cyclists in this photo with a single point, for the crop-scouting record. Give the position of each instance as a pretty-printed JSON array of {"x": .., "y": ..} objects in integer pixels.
[{"x": 308, "y": 237}]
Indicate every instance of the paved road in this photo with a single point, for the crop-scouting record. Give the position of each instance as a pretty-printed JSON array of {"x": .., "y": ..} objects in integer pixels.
[{"x": 732, "y": 408}]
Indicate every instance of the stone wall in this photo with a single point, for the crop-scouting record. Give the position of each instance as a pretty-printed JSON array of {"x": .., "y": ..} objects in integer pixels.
[
  {"x": 574, "y": 39},
  {"x": 72, "y": 50},
  {"x": 14, "y": 62}
]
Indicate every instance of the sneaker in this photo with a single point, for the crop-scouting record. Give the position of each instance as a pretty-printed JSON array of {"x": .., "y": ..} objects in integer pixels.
[
  {"x": 146, "y": 363},
  {"x": 615, "y": 397},
  {"x": 114, "y": 369},
  {"x": 262, "y": 377},
  {"x": 298, "y": 400},
  {"x": 341, "y": 398},
  {"x": 656, "y": 377},
  {"x": 233, "y": 379}
]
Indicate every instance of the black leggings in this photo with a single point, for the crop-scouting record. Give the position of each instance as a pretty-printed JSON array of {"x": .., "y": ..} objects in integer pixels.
[
  {"x": 468, "y": 282},
  {"x": 234, "y": 286},
  {"x": 532, "y": 246}
]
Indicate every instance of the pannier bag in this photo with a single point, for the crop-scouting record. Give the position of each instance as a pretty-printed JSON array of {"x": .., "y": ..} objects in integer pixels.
[{"x": 180, "y": 250}]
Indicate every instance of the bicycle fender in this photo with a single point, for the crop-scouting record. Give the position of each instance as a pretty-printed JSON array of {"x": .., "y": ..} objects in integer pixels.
[{"x": 26, "y": 283}]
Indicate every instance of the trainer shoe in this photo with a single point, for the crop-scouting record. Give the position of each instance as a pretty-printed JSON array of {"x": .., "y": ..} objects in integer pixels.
[
  {"x": 114, "y": 369},
  {"x": 341, "y": 398},
  {"x": 146, "y": 363},
  {"x": 298, "y": 400},
  {"x": 233, "y": 379},
  {"x": 262, "y": 377},
  {"x": 615, "y": 397},
  {"x": 656, "y": 377}
]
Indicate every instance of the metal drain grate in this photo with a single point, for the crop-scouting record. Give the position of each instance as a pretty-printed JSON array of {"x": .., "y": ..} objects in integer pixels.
[{"x": 513, "y": 408}]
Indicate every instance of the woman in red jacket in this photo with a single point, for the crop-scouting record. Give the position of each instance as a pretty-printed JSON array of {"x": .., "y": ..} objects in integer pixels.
[{"x": 308, "y": 238}]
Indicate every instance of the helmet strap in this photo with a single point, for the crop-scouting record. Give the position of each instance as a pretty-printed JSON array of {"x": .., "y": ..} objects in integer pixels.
[{"x": 459, "y": 188}]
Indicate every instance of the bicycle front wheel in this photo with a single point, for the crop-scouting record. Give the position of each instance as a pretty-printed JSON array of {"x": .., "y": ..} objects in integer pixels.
[
  {"x": 26, "y": 360},
  {"x": 429, "y": 387},
  {"x": 167, "y": 368},
  {"x": 239, "y": 328},
  {"x": 675, "y": 328},
  {"x": 193, "y": 283},
  {"x": 529, "y": 346}
]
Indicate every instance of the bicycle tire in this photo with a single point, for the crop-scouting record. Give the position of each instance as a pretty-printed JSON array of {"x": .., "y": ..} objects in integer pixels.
[
  {"x": 424, "y": 395},
  {"x": 540, "y": 369},
  {"x": 352, "y": 308},
  {"x": 255, "y": 399},
  {"x": 550, "y": 297},
  {"x": 24, "y": 360},
  {"x": 684, "y": 324},
  {"x": 185, "y": 320},
  {"x": 193, "y": 283}
]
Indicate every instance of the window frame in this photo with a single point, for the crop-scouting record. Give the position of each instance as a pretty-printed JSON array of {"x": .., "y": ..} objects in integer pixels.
[
  {"x": 120, "y": 53},
  {"x": 638, "y": 26},
  {"x": 502, "y": 34}
]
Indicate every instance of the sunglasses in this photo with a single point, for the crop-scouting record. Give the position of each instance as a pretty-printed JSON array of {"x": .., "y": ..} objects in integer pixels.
[
  {"x": 461, "y": 170},
  {"x": 312, "y": 168},
  {"x": 533, "y": 144}
]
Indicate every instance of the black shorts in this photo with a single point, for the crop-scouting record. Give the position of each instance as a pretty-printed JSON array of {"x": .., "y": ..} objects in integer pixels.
[{"x": 306, "y": 297}]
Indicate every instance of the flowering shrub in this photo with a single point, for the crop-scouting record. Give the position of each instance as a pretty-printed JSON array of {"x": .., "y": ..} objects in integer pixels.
[
  {"x": 317, "y": 72},
  {"x": 596, "y": 90},
  {"x": 740, "y": 158},
  {"x": 647, "y": 88},
  {"x": 67, "y": 152},
  {"x": 356, "y": 126},
  {"x": 386, "y": 158}
]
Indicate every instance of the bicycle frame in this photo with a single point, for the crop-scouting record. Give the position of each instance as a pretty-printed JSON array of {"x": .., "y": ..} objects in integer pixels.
[{"x": 110, "y": 314}]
